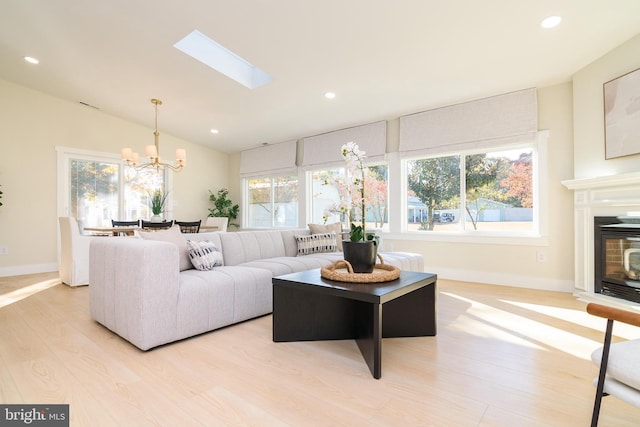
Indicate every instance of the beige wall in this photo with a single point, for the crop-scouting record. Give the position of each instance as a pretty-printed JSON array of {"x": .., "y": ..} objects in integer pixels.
[
  {"x": 589, "y": 156},
  {"x": 32, "y": 125},
  {"x": 235, "y": 183}
]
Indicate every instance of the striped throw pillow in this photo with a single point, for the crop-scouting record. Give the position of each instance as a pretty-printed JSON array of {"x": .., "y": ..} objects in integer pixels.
[
  {"x": 204, "y": 255},
  {"x": 316, "y": 243}
]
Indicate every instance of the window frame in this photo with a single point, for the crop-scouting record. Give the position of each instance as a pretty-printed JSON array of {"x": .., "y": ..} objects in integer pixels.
[
  {"x": 308, "y": 188},
  {"x": 246, "y": 194},
  {"x": 64, "y": 157},
  {"x": 399, "y": 209}
]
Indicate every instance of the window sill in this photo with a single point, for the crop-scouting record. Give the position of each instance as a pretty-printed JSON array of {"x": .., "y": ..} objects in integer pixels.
[{"x": 476, "y": 237}]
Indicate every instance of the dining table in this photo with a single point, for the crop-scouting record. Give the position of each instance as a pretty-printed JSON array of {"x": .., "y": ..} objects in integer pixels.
[
  {"x": 130, "y": 231},
  {"x": 111, "y": 231}
]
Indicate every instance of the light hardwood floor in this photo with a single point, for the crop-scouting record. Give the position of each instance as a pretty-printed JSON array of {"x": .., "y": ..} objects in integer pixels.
[{"x": 502, "y": 357}]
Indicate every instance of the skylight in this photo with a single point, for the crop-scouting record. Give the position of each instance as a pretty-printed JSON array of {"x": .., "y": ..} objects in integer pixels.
[{"x": 221, "y": 59}]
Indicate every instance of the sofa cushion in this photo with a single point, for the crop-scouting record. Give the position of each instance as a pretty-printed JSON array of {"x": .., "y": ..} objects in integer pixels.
[
  {"x": 172, "y": 235},
  {"x": 289, "y": 240},
  {"x": 336, "y": 227},
  {"x": 204, "y": 255},
  {"x": 244, "y": 246},
  {"x": 286, "y": 265},
  {"x": 316, "y": 243}
]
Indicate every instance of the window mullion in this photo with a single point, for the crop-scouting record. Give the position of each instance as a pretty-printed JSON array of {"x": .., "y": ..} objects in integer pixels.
[
  {"x": 121, "y": 189},
  {"x": 463, "y": 192},
  {"x": 272, "y": 198}
]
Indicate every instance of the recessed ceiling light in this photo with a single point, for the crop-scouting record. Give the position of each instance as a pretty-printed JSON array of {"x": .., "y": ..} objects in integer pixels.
[
  {"x": 329, "y": 95},
  {"x": 31, "y": 60},
  {"x": 551, "y": 22},
  {"x": 221, "y": 59},
  {"x": 215, "y": 131}
]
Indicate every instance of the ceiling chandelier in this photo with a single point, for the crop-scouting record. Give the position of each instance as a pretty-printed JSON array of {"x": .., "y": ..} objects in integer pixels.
[{"x": 153, "y": 152}]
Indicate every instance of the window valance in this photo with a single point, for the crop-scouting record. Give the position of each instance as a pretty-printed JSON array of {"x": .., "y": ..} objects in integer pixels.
[
  {"x": 269, "y": 160},
  {"x": 324, "y": 149},
  {"x": 479, "y": 124}
]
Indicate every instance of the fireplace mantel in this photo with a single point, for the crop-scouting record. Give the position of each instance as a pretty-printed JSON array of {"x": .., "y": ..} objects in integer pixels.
[
  {"x": 614, "y": 195},
  {"x": 626, "y": 179}
]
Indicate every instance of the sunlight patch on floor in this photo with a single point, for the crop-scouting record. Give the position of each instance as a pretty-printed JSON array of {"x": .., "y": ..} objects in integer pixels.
[
  {"x": 491, "y": 322},
  {"x": 22, "y": 293},
  {"x": 581, "y": 318}
]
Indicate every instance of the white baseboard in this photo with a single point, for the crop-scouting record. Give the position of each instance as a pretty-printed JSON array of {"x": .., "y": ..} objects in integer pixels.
[
  {"x": 494, "y": 278},
  {"x": 28, "y": 269}
]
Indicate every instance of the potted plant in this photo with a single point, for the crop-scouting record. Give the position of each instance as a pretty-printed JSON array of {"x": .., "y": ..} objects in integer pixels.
[
  {"x": 362, "y": 247},
  {"x": 157, "y": 199},
  {"x": 223, "y": 207}
]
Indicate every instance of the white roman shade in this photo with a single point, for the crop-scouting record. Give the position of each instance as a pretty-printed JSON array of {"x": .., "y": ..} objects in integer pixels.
[
  {"x": 276, "y": 159},
  {"x": 325, "y": 149},
  {"x": 480, "y": 124}
]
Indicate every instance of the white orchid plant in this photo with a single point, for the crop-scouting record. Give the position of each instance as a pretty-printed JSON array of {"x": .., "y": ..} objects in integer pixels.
[{"x": 353, "y": 203}]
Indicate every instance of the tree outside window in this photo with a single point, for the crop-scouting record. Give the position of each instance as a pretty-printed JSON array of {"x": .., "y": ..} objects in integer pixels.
[
  {"x": 497, "y": 195},
  {"x": 273, "y": 202},
  {"x": 95, "y": 188},
  {"x": 435, "y": 183},
  {"x": 329, "y": 192}
]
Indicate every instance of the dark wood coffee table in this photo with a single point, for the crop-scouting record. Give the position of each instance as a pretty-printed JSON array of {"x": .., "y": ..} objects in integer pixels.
[{"x": 307, "y": 307}]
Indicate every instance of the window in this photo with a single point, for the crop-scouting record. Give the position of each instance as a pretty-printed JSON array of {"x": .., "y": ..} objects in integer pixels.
[
  {"x": 273, "y": 202},
  {"x": 433, "y": 190},
  {"x": 329, "y": 195},
  {"x": 100, "y": 188},
  {"x": 488, "y": 191}
]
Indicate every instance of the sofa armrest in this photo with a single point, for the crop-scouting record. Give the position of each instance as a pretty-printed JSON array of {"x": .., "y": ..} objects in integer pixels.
[{"x": 134, "y": 286}]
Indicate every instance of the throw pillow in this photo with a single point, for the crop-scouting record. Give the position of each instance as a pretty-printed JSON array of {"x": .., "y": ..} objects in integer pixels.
[
  {"x": 316, "y": 243},
  {"x": 336, "y": 227},
  {"x": 172, "y": 235},
  {"x": 204, "y": 255}
]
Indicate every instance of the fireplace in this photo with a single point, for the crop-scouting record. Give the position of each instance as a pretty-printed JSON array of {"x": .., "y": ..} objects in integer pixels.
[
  {"x": 617, "y": 257},
  {"x": 605, "y": 201}
]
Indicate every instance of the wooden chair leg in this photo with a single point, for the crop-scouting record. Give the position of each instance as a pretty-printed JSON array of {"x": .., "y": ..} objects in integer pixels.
[{"x": 603, "y": 372}]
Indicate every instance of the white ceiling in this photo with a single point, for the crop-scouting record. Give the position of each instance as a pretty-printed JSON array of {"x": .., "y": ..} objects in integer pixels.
[{"x": 383, "y": 58}]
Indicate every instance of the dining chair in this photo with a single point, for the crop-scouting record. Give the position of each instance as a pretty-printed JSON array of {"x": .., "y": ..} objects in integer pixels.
[
  {"x": 221, "y": 222},
  {"x": 189, "y": 226},
  {"x": 150, "y": 225},
  {"x": 74, "y": 252},
  {"x": 619, "y": 374},
  {"x": 116, "y": 224}
]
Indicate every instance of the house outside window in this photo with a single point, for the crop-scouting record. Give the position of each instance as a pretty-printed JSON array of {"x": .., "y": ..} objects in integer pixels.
[
  {"x": 490, "y": 191},
  {"x": 328, "y": 191},
  {"x": 272, "y": 201}
]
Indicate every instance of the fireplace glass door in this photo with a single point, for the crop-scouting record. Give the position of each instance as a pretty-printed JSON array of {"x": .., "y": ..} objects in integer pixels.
[
  {"x": 622, "y": 259},
  {"x": 619, "y": 262}
]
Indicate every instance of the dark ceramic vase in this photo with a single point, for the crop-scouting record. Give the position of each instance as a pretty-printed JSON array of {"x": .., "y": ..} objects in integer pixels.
[{"x": 361, "y": 255}]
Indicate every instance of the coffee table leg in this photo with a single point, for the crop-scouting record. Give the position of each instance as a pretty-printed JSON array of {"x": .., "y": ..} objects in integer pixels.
[{"x": 369, "y": 338}]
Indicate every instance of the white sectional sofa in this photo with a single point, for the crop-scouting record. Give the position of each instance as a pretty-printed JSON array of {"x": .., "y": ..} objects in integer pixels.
[{"x": 138, "y": 291}]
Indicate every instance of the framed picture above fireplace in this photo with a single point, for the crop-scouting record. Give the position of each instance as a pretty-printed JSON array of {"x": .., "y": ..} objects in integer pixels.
[{"x": 622, "y": 115}]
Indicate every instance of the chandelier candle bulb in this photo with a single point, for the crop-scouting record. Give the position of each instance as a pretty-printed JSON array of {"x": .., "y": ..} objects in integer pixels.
[
  {"x": 126, "y": 153},
  {"x": 181, "y": 156},
  {"x": 150, "y": 151}
]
